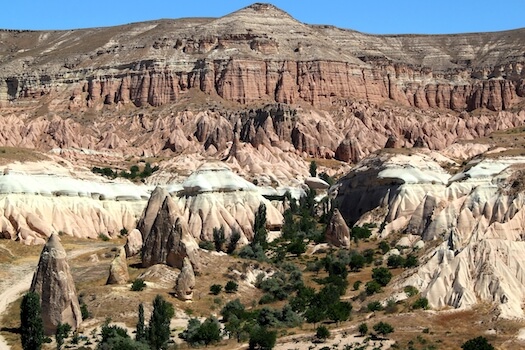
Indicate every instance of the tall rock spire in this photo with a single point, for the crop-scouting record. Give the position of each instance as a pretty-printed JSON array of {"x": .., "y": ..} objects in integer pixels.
[{"x": 54, "y": 283}]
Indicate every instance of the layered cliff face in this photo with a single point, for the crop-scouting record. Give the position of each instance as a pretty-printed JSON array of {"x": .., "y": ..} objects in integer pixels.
[{"x": 259, "y": 53}]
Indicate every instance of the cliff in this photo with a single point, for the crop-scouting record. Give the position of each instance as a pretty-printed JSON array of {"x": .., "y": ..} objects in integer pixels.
[{"x": 259, "y": 53}]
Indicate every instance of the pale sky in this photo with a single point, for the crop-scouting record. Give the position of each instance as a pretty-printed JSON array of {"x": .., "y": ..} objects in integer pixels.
[{"x": 376, "y": 17}]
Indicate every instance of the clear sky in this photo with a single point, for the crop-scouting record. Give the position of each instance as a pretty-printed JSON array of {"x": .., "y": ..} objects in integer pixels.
[{"x": 377, "y": 17}]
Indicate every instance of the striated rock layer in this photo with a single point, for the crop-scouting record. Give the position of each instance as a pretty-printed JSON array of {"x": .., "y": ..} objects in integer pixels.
[{"x": 260, "y": 53}]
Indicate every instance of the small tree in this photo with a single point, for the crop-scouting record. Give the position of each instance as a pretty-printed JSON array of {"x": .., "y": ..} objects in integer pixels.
[
  {"x": 374, "y": 306},
  {"x": 421, "y": 303},
  {"x": 395, "y": 261},
  {"x": 215, "y": 289},
  {"x": 31, "y": 324},
  {"x": 159, "y": 324},
  {"x": 381, "y": 275},
  {"x": 141, "y": 328},
  {"x": 259, "y": 228},
  {"x": 231, "y": 287},
  {"x": 219, "y": 238},
  {"x": 313, "y": 168},
  {"x": 383, "y": 328},
  {"x": 372, "y": 287},
  {"x": 322, "y": 333},
  {"x": 61, "y": 333},
  {"x": 261, "y": 338},
  {"x": 363, "y": 329},
  {"x": 478, "y": 343},
  {"x": 234, "y": 239},
  {"x": 138, "y": 285}
]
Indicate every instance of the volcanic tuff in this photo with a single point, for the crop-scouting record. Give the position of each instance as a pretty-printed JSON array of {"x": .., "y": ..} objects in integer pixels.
[{"x": 54, "y": 283}]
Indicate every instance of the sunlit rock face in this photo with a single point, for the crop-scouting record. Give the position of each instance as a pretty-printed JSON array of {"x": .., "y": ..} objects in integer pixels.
[{"x": 477, "y": 214}]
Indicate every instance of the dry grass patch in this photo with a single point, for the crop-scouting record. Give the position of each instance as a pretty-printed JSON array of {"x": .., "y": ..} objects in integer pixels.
[{"x": 12, "y": 154}]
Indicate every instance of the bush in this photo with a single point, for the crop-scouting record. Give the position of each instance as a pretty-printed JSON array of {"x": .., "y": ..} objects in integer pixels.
[
  {"x": 231, "y": 287},
  {"x": 313, "y": 168},
  {"x": 322, "y": 333},
  {"x": 357, "y": 284},
  {"x": 232, "y": 244},
  {"x": 207, "y": 245},
  {"x": 103, "y": 237},
  {"x": 411, "y": 261},
  {"x": 233, "y": 308},
  {"x": 138, "y": 285},
  {"x": 374, "y": 306},
  {"x": 479, "y": 343},
  {"x": 218, "y": 238},
  {"x": 384, "y": 247},
  {"x": 262, "y": 338},
  {"x": 381, "y": 275},
  {"x": 84, "y": 311},
  {"x": 421, "y": 303},
  {"x": 395, "y": 261},
  {"x": 363, "y": 329},
  {"x": 372, "y": 287},
  {"x": 410, "y": 291},
  {"x": 215, "y": 289},
  {"x": 383, "y": 328},
  {"x": 357, "y": 261}
]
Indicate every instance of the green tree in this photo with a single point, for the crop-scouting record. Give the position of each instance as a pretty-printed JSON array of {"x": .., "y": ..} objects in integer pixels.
[
  {"x": 231, "y": 287},
  {"x": 138, "y": 285},
  {"x": 339, "y": 311},
  {"x": 233, "y": 308},
  {"x": 215, "y": 289},
  {"x": 357, "y": 262},
  {"x": 141, "y": 327},
  {"x": 219, "y": 238},
  {"x": 395, "y": 261},
  {"x": 259, "y": 228},
  {"x": 117, "y": 338},
  {"x": 159, "y": 324},
  {"x": 322, "y": 333},
  {"x": 296, "y": 247},
  {"x": 411, "y": 261},
  {"x": 374, "y": 306},
  {"x": 421, "y": 303},
  {"x": 31, "y": 324},
  {"x": 478, "y": 343},
  {"x": 383, "y": 328},
  {"x": 381, "y": 275},
  {"x": 313, "y": 168},
  {"x": 372, "y": 287},
  {"x": 363, "y": 329},
  {"x": 262, "y": 339},
  {"x": 232, "y": 243},
  {"x": 61, "y": 333}
]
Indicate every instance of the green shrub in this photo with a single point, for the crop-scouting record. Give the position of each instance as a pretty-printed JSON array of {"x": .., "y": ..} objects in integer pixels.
[
  {"x": 410, "y": 291},
  {"x": 215, "y": 289},
  {"x": 478, "y": 343},
  {"x": 383, "y": 328},
  {"x": 322, "y": 333},
  {"x": 231, "y": 287},
  {"x": 207, "y": 245},
  {"x": 357, "y": 284},
  {"x": 138, "y": 285},
  {"x": 103, "y": 237},
  {"x": 363, "y": 329},
  {"x": 374, "y": 306},
  {"x": 421, "y": 303}
]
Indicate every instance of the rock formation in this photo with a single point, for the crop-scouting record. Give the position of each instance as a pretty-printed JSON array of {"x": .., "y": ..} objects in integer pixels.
[
  {"x": 185, "y": 282},
  {"x": 118, "y": 269},
  {"x": 169, "y": 241},
  {"x": 133, "y": 243},
  {"x": 337, "y": 232},
  {"x": 55, "y": 285},
  {"x": 157, "y": 198}
]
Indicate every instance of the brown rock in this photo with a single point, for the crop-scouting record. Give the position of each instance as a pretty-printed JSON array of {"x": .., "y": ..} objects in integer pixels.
[
  {"x": 169, "y": 241},
  {"x": 55, "y": 285},
  {"x": 185, "y": 282},
  {"x": 337, "y": 232},
  {"x": 133, "y": 243},
  {"x": 149, "y": 214},
  {"x": 118, "y": 270}
]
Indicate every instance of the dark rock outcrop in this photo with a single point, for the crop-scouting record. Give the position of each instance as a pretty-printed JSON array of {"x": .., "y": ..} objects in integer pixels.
[{"x": 169, "y": 241}]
